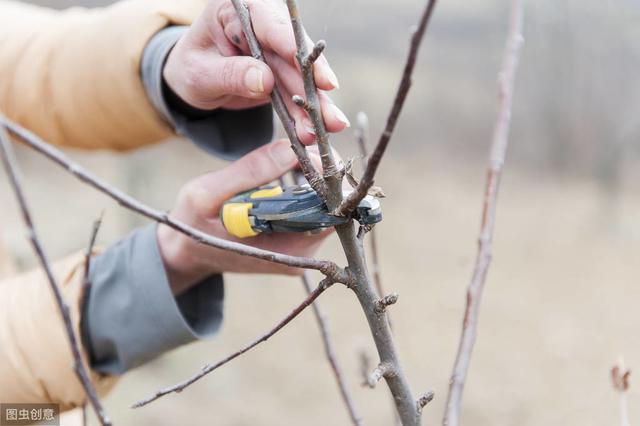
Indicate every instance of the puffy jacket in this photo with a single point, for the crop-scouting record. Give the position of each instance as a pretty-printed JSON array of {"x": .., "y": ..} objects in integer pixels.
[{"x": 73, "y": 78}]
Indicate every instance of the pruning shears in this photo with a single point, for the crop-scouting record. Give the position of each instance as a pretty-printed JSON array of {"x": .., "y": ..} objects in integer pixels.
[{"x": 289, "y": 209}]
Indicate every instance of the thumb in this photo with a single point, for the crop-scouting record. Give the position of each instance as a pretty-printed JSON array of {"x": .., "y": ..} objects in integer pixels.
[
  {"x": 257, "y": 168},
  {"x": 241, "y": 76}
]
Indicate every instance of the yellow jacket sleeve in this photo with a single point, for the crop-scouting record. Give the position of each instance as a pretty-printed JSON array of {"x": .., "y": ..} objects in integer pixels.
[
  {"x": 36, "y": 364},
  {"x": 73, "y": 76}
]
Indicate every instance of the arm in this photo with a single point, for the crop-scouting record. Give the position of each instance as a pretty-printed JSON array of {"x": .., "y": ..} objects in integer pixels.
[
  {"x": 73, "y": 76},
  {"x": 151, "y": 292}
]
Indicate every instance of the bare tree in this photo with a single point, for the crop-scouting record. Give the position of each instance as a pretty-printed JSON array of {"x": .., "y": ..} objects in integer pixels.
[{"x": 328, "y": 185}]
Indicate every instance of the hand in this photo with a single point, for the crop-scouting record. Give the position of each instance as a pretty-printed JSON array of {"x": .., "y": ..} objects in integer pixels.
[
  {"x": 208, "y": 68},
  {"x": 198, "y": 205}
]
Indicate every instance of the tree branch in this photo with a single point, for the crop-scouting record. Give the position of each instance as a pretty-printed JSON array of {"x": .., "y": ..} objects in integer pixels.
[
  {"x": 328, "y": 268},
  {"x": 352, "y": 201},
  {"x": 498, "y": 153},
  {"x": 331, "y": 174},
  {"x": 11, "y": 168},
  {"x": 378, "y": 322},
  {"x": 280, "y": 107},
  {"x": 362, "y": 137},
  {"x": 330, "y": 352},
  {"x": 324, "y": 284}
]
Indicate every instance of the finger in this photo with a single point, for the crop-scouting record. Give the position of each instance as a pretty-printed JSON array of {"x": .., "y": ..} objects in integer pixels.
[
  {"x": 273, "y": 29},
  {"x": 257, "y": 168},
  {"x": 217, "y": 77},
  {"x": 233, "y": 32},
  {"x": 334, "y": 119}
]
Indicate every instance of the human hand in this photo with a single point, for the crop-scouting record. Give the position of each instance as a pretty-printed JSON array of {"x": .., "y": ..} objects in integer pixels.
[
  {"x": 198, "y": 205},
  {"x": 208, "y": 68}
]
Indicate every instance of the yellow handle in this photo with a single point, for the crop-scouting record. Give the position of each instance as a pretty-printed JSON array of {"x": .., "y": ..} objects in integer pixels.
[{"x": 235, "y": 217}]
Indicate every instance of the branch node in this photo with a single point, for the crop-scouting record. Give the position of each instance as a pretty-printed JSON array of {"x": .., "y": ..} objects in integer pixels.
[
  {"x": 299, "y": 100},
  {"x": 620, "y": 377},
  {"x": 382, "y": 370},
  {"x": 424, "y": 399},
  {"x": 388, "y": 300}
]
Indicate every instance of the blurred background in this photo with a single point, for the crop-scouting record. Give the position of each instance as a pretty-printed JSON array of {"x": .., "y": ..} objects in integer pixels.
[{"x": 561, "y": 301}]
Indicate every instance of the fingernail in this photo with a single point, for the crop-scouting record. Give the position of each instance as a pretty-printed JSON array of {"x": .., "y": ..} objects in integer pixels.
[
  {"x": 333, "y": 79},
  {"x": 282, "y": 154},
  {"x": 253, "y": 80},
  {"x": 339, "y": 115}
]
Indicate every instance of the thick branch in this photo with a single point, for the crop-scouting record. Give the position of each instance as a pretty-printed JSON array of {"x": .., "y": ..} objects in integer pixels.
[
  {"x": 279, "y": 106},
  {"x": 328, "y": 268},
  {"x": 325, "y": 284},
  {"x": 330, "y": 352},
  {"x": 483, "y": 259},
  {"x": 379, "y": 325},
  {"x": 352, "y": 201},
  {"x": 10, "y": 164}
]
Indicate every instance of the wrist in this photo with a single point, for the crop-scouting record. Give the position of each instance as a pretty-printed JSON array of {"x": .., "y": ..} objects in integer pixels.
[{"x": 181, "y": 266}]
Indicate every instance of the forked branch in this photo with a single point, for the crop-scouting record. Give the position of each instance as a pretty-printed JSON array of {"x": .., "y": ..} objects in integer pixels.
[
  {"x": 499, "y": 146},
  {"x": 314, "y": 179},
  {"x": 11, "y": 168},
  {"x": 306, "y": 60},
  {"x": 378, "y": 323}
]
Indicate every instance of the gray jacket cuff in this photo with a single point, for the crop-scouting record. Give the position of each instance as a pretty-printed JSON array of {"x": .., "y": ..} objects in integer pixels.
[
  {"x": 225, "y": 133},
  {"x": 131, "y": 315}
]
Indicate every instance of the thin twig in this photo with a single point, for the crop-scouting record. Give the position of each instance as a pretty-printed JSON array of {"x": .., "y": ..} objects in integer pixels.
[
  {"x": 306, "y": 60},
  {"x": 330, "y": 352},
  {"x": 362, "y": 137},
  {"x": 498, "y": 153},
  {"x": 324, "y": 284},
  {"x": 86, "y": 284},
  {"x": 328, "y": 268},
  {"x": 314, "y": 179},
  {"x": 92, "y": 242},
  {"x": 79, "y": 368},
  {"x": 620, "y": 380},
  {"x": 352, "y": 201}
]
